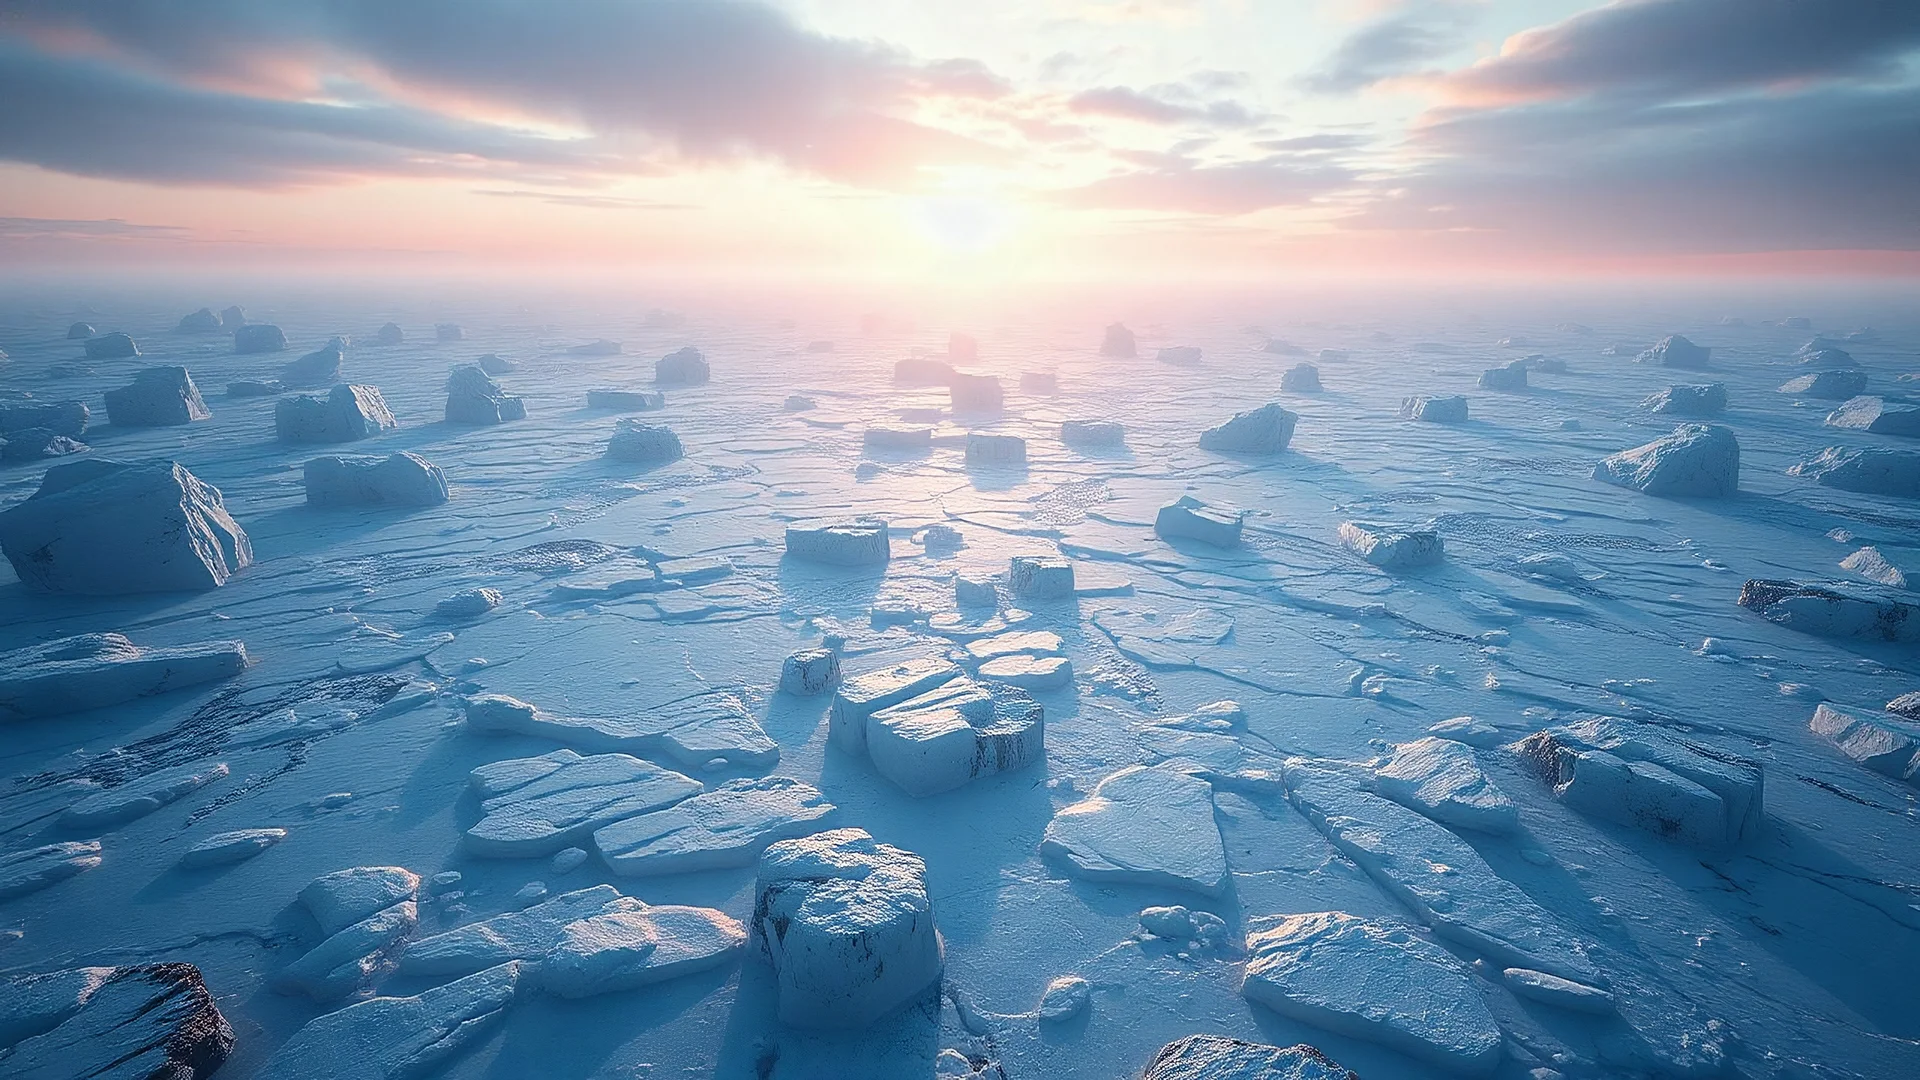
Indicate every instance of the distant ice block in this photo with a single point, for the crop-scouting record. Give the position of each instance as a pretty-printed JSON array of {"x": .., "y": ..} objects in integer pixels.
[
  {"x": 1682, "y": 399},
  {"x": 1143, "y": 826},
  {"x": 1376, "y": 981},
  {"x": 1637, "y": 774},
  {"x": 1039, "y": 382},
  {"x": 29, "y": 871},
  {"x": 115, "y": 346},
  {"x": 1509, "y": 377},
  {"x": 1877, "y": 415},
  {"x": 847, "y": 926},
  {"x": 203, "y": 321},
  {"x": 347, "y": 413},
  {"x": 1831, "y": 612},
  {"x": 1041, "y": 577},
  {"x": 1331, "y": 356},
  {"x": 320, "y": 367},
  {"x": 1815, "y": 354},
  {"x": 643, "y": 444},
  {"x": 682, "y": 367},
  {"x": 533, "y": 807},
  {"x": 1676, "y": 351},
  {"x": 233, "y": 317},
  {"x": 1872, "y": 471},
  {"x": 1443, "y": 780},
  {"x": 820, "y": 346},
  {"x": 1301, "y": 379},
  {"x": 1215, "y": 1057},
  {"x": 1179, "y": 354},
  {"x": 919, "y": 371},
  {"x": 397, "y": 480},
  {"x": 729, "y": 825},
  {"x": 448, "y": 332},
  {"x": 495, "y": 364},
  {"x": 397, "y": 1038},
  {"x": 849, "y": 543},
  {"x": 390, "y": 334},
  {"x": 81, "y": 330},
  {"x": 860, "y": 696},
  {"x": 1434, "y": 410},
  {"x": 891, "y": 439},
  {"x": 954, "y": 733},
  {"x": 1265, "y": 430},
  {"x": 156, "y": 1021},
  {"x": 1546, "y": 365},
  {"x": 157, "y": 397},
  {"x": 798, "y": 403},
  {"x": 1118, "y": 343},
  {"x": 1828, "y": 385},
  {"x": 599, "y": 347},
  {"x": 1886, "y": 742},
  {"x": 1282, "y": 348},
  {"x": 38, "y": 444},
  {"x": 258, "y": 338},
  {"x": 24, "y": 413},
  {"x": 641, "y": 946},
  {"x": 1189, "y": 518},
  {"x": 810, "y": 672},
  {"x": 140, "y": 796},
  {"x": 1092, "y": 434},
  {"x": 92, "y": 671},
  {"x": 990, "y": 451},
  {"x": 691, "y": 731},
  {"x": 1696, "y": 461},
  {"x": 977, "y": 394},
  {"x": 253, "y": 388},
  {"x": 473, "y": 397},
  {"x": 113, "y": 527},
  {"x": 626, "y": 400},
  {"x": 227, "y": 848},
  {"x": 1393, "y": 547}
]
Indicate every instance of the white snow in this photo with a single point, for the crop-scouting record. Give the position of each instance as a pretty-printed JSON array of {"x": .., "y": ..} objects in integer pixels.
[
  {"x": 1030, "y": 672},
  {"x": 468, "y": 603},
  {"x": 1041, "y": 577},
  {"x": 1065, "y": 998},
  {"x": 92, "y": 671},
  {"x": 692, "y": 731},
  {"x": 860, "y": 696},
  {"x": 1697, "y": 460},
  {"x": 1554, "y": 990},
  {"x": 528, "y": 934},
  {"x": 1143, "y": 826},
  {"x": 114, "y": 527},
  {"x": 623, "y": 950}
]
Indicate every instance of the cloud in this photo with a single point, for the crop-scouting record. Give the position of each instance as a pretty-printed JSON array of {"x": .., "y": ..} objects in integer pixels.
[
  {"x": 585, "y": 202},
  {"x": 1227, "y": 189},
  {"x": 1192, "y": 102},
  {"x": 110, "y": 229},
  {"x": 1392, "y": 46}
]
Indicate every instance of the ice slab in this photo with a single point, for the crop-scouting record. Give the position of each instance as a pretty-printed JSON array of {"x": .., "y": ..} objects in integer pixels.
[
  {"x": 397, "y": 1038},
  {"x": 1877, "y": 415},
  {"x": 729, "y": 825},
  {"x": 389, "y": 334},
  {"x": 140, "y": 795},
  {"x": 862, "y": 695},
  {"x": 203, "y": 321},
  {"x": 1376, "y": 981},
  {"x": 1837, "y": 385},
  {"x": 1443, "y": 780},
  {"x": 1301, "y": 379},
  {"x": 468, "y": 603},
  {"x": 1831, "y": 612},
  {"x": 955, "y": 733},
  {"x": 95, "y": 670},
  {"x": 848, "y": 927},
  {"x": 1393, "y": 547},
  {"x": 527, "y": 934},
  {"x": 809, "y": 672},
  {"x": 1065, "y": 998},
  {"x": 979, "y": 394},
  {"x": 114, "y": 346},
  {"x": 23, "y": 872},
  {"x": 682, "y": 367},
  {"x": 1676, "y": 351},
  {"x": 473, "y": 397},
  {"x": 347, "y": 413},
  {"x": 1041, "y": 577},
  {"x": 157, "y": 397},
  {"x": 639, "y": 443},
  {"x": 1697, "y": 460},
  {"x": 67, "y": 418},
  {"x": 1215, "y": 1057},
  {"x": 1556, "y": 991},
  {"x": 1639, "y": 775},
  {"x": 145, "y": 1021},
  {"x": 1869, "y": 563},
  {"x": 352, "y": 957},
  {"x": 320, "y": 367},
  {"x": 1092, "y": 434},
  {"x": 995, "y": 450},
  {"x": 401, "y": 480},
  {"x": 624, "y": 950},
  {"x": 1171, "y": 639},
  {"x": 1016, "y": 643},
  {"x": 1191, "y": 519},
  {"x": 1029, "y": 672},
  {"x": 847, "y": 543},
  {"x": 1689, "y": 399},
  {"x": 1117, "y": 342},
  {"x": 1510, "y": 377},
  {"x": 1434, "y": 410},
  {"x": 1143, "y": 826},
  {"x": 534, "y": 807},
  {"x": 253, "y": 338},
  {"x": 691, "y": 731},
  {"x": 38, "y": 444},
  {"x": 1885, "y": 742},
  {"x": 626, "y": 400},
  {"x": 1265, "y": 430},
  {"x": 344, "y": 897},
  {"x": 897, "y": 440},
  {"x": 224, "y": 849},
  {"x": 1871, "y": 471}
]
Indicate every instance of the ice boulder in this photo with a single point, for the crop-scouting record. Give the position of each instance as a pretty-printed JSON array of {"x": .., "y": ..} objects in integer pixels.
[
  {"x": 474, "y": 398},
  {"x": 1877, "y": 415},
  {"x": 233, "y": 317},
  {"x": 643, "y": 444},
  {"x": 79, "y": 331},
  {"x": 1041, "y": 577},
  {"x": 810, "y": 672},
  {"x": 1118, "y": 343},
  {"x": 1376, "y": 981},
  {"x": 447, "y": 331},
  {"x": 114, "y": 346},
  {"x": 848, "y": 927},
  {"x": 23, "y": 413},
  {"x": 1511, "y": 377},
  {"x": 1697, "y": 460},
  {"x": 848, "y": 543},
  {"x": 954, "y": 733},
  {"x": 1838, "y": 385},
  {"x": 1830, "y": 612},
  {"x": 729, "y": 825},
  {"x": 682, "y": 367},
  {"x": 112, "y": 527},
  {"x": 258, "y": 338},
  {"x": 991, "y": 451},
  {"x": 1265, "y": 430},
  {"x": 398, "y": 480},
  {"x": 601, "y": 347},
  {"x": 1443, "y": 780},
  {"x": 978, "y": 394},
  {"x": 152, "y": 1021},
  {"x": 1869, "y": 563},
  {"x": 624, "y": 400},
  {"x": 1676, "y": 352},
  {"x": 348, "y": 412},
  {"x": 1885, "y": 742},
  {"x": 397, "y": 1038},
  {"x": 865, "y": 694},
  {"x": 639, "y": 946},
  {"x": 253, "y": 388},
  {"x": 889, "y": 439},
  {"x": 1190, "y": 519},
  {"x": 1301, "y": 379},
  {"x": 92, "y": 671},
  {"x": 1682, "y": 399},
  {"x": 203, "y": 321},
  {"x": 1179, "y": 354},
  {"x": 1640, "y": 775},
  {"x": 1092, "y": 434},
  {"x": 1816, "y": 354},
  {"x": 495, "y": 364},
  {"x": 1872, "y": 471},
  {"x": 920, "y": 371},
  {"x": 1143, "y": 826},
  {"x": 321, "y": 367},
  {"x": 38, "y": 444},
  {"x": 1434, "y": 410},
  {"x": 1039, "y": 382},
  {"x": 158, "y": 396},
  {"x": 390, "y": 334},
  {"x": 1215, "y": 1057},
  {"x": 1393, "y": 547}
]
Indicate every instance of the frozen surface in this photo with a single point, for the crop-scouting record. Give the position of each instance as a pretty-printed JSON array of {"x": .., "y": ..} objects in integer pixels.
[
  {"x": 1146, "y": 826},
  {"x": 95, "y": 670}
]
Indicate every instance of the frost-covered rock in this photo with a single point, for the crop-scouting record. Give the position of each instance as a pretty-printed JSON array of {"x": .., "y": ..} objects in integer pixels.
[
  {"x": 203, "y": 321},
  {"x": 848, "y": 927},
  {"x": 727, "y": 826},
  {"x": 1301, "y": 379},
  {"x": 23, "y": 872},
  {"x": 140, "y": 795},
  {"x": 1509, "y": 377},
  {"x": 1179, "y": 354},
  {"x": 114, "y": 346},
  {"x": 474, "y": 398},
  {"x": 978, "y": 394},
  {"x": 1375, "y": 981},
  {"x": 1443, "y": 780},
  {"x": 157, "y": 397},
  {"x": 1836, "y": 385},
  {"x": 1885, "y": 742},
  {"x": 397, "y": 480},
  {"x": 38, "y": 444},
  {"x": 1687, "y": 399},
  {"x": 1434, "y": 410},
  {"x": 636, "y": 443},
  {"x": 153, "y": 1021},
  {"x": 80, "y": 330},
  {"x": 1676, "y": 352},
  {"x": 109, "y": 527},
  {"x": 1092, "y": 434},
  {"x": 1877, "y": 415},
  {"x": 1637, "y": 774},
  {"x": 624, "y": 400},
  {"x": 847, "y": 543},
  {"x": 321, "y": 367},
  {"x": 1556, "y": 991},
  {"x": 860, "y": 696},
  {"x": 1189, "y": 518},
  {"x": 648, "y": 944},
  {"x": 348, "y": 412},
  {"x": 447, "y": 331},
  {"x": 1118, "y": 342},
  {"x": 682, "y": 367},
  {"x": 1872, "y": 471},
  {"x": 954, "y": 733},
  {"x": 1265, "y": 430},
  {"x": 1831, "y": 612},
  {"x": 989, "y": 451},
  {"x": 397, "y": 1038},
  {"x": 390, "y": 334},
  {"x": 92, "y": 671},
  {"x": 1214, "y": 1057},
  {"x": 23, "y": 413},
  {"x": 600, "y": 347},
  {"x": 692, "y": 731},
  {"x": 809, "y": 672},
  {"x": 253, "y": 388},
  {"x": 1697, "y": 461},
  {"x": 258, "y": 338},
  {"x": 1393, "y": 547},
  {"x": 1143, "y": 826},
  {"x": 227, "y": 848},
  {"x": 919, "y": 371}
]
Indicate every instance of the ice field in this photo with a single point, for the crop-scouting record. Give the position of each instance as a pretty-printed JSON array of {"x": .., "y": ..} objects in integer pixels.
[{"x": 1409, "y": 737}]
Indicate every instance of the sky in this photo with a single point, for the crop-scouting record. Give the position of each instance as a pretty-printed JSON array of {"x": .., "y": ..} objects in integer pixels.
[{"x": 984, "y": 140}]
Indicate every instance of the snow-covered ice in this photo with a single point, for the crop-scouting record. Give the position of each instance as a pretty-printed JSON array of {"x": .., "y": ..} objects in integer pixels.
[
  {"x": 1509, "y": 377},
  {"x": 157, "y": 397},
  {"x": 347, "y": 413},
  {"x": 473, "y": 397},
  {"x": 1265, "y": 430},
  {"x": 725, "y": 826},
  {"x": 258, "y": 338},
  {"x": 623, "y": 400},
  {"x": 1143, "y": 826},
  {"x": 398, "y": 1038},
  {"x": 1434, "y": 410},
  {"x": 223, "y": 849},
  {"x": 399, "y": 480},
  {"x": 533, "y": 807},
  {"x": 1443, "y": 780},
  {"x": 1830, "y": 611},
  {"x": 92, "y": 671},
  {"x": 807, "y": 672},
  {"x": 685, "y": 366},
  {"x": 649, "y": 944},
  {"x": 955, "y": 733},
  {"x": 995, "y": 451},
  {"x": 1189, "y": 518},
  {"x": 1836, "y": 385},
  {"x": 1393, "y": 547},
  {"x": 843, "y": 543},
  {"x": 1877, "y": 415},
  {"x": 1092, "y": 434},
  {"x": 1301, "y": 379},
  {"x": 1885, "y": 742},
  {"x": 1179, "y": 354},
  {"x": 636, "y": 443},
  {"x": 1697, "y": 461},
  {"x": 320, "y": 367},
  {"x": 1870, "y": 470},
  {"x": 1689, "y": 399},
  {"x": 1638, "y": 774},
  {"x": 1041, "y": 577}
]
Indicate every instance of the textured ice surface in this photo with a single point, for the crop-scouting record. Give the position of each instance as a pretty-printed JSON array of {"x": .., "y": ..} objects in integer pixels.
[
  {"x": 1689, "y": 399},
  {"x": 1434, "y": 410},
  {"x": 397, "y": 1038},
  {"x": 141, "y": 795},
  {"x": 148, "y": 1020},
  {"x": 1143, "y": 826},
  {"x": 33, "y": 869},
  {"x": 1699, "y": 460},
  {"x": 95, "y": 670},
  {"x": 692, "y": 731},
  {"x": 1214, "y": 1057},
  {"x": 1675, "y": 351},
  {"x": 536, "y": 806},
  {"x": 157, "y": 397},
  {"x": 1443, "y": 780},
  {"x": 114, "y": 527},
  {"x": 726, "y": 826}
]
